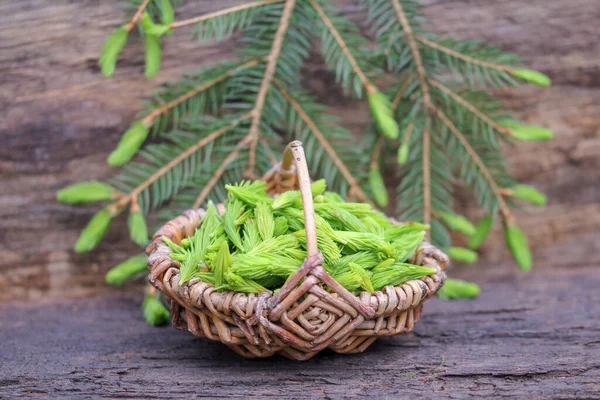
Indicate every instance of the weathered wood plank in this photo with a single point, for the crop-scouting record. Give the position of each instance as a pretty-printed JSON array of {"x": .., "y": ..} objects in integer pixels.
[
  {"x": 60, "y": 119},
  {"x": 527, "y": 336}
]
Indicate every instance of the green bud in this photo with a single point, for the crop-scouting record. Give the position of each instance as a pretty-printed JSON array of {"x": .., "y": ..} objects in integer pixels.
[
  {"x": 382, "y": 114},
  {"x": 378, "y": 187},
  {"x": 531, "y": 76},
  {"x": 129, "y": 268},
  {"x": 461, "y": 254},
  {"x": 528, "y": 133},
  {"x": 138, "y": 231},
  {"x": 111, "y": 50},
  {"x": 402, "y": 153},
  {"x": 175, "y": 248},
  {"x": 94, "y": 231},
  {"x": 458, "y": 223},
  {"x": 458, "y": 289},
  {"x": 85, "y": 192},
  {"x": 318, "y": 187},
  {"x": 365, "y": 278},
  {"x": 265, "y": 220},
  {"x": 221, "y": 264},
  {"x": 167, "y": 15},
  {"x": 152, "y": 29},
  {"x": 153, "y": 52},
  {"x": 482, "y": 230},
  {"x": 528, "y": 193},
  {"x": 518, "y": 246},
  {"x": 154, "y": 311},
  {"x": 129, "y": 144}
]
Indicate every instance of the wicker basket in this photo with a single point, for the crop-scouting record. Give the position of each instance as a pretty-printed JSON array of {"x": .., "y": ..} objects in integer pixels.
[{"x": 302, "y": 318}]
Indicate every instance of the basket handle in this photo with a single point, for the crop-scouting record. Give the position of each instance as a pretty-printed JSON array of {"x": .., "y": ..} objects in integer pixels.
[
  {"x": 279, "y": 302},
  {"x": 294, "y": 152}
]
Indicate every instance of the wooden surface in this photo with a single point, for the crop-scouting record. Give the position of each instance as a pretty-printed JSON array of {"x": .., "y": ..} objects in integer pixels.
[{"x": 533, "y": 336}]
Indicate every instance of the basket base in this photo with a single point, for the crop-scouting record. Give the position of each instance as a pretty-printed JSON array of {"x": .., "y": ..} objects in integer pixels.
[{"x": 204, "y": 324}]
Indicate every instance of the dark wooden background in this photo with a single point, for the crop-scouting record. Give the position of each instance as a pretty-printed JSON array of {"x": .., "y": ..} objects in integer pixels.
[{"x": 59, "y": 119}]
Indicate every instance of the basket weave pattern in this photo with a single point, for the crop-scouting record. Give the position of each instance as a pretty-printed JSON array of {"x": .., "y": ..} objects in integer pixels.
[{"x": 303, "y": 317}]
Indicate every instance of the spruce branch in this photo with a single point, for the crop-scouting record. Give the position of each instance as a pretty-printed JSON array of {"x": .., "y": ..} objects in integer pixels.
[
  {"x": 399, "y": 94},
  {"x": 370, "y": 88},
  {"x": 426, "y": 178},
  {"x": 224, "y": 12},
  {"x": 414, "y": 48},
  {"x": 149, "y": 119},
  {"x": 355, "y": 189},
  {"x": 272, "y": 58},
  {"x": 447, "y": 133},
  {"x": 464, "y": 57},
  {"x": 502, "y": 206},
  {"x": 218, "y": 173},
  {"x": 174, "y": 162},
  {"x": 469, "y": 106}
]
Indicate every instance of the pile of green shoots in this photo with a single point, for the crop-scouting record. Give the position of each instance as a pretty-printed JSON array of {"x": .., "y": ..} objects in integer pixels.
[{"x": 259, "y": 242}]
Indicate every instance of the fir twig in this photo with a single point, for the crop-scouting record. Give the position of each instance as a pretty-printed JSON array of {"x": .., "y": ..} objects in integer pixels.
[
  {"x": 414, "y": 48},
  {"x": 355, "y": 67},
  {"x": 503, "y": 207},
  {"x": 220, "y": 13},
  {"x": 254, "y": 133},
  {"x": 182, "y": 156},
  {"x": 426, "y": 179},
  {"x": 147, "y": 120},
  {"x": 459, "y": 99},
  {"x": 220, "y": 170},
  {"x": 461, "y": 56},
  {"x": 352, "y": 181}
]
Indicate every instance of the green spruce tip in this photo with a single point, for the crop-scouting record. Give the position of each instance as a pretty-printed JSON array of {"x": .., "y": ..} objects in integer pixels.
[
  {"x": 153, "y": 52},
  {"x": 138, "y": 230},
  {"x": 85, "y": 192},
  {"x": 528, "y": 193},
  {"x": 382, "y": 114},
  {"x": 167, "y": 15},
  {"x": 152, "y": 29},
  {"x": 518, "y": 246},
  {"x": 111, "y": 50},
  {"x": 318, "y": 187},
  {"x": 461, "y": 254},
  {"x": 402, "y": 153},
  {"x": 378, "y": 188},
  {"x": 482, "y": 230},
  {"x": 94, "y": 231},
  {"x": 221, "y": 264},
  {"x": 458, "y": 289},
  {"x": 155, "y": 313},
  {"x": 527, "y": 133},
  {"x": 458, "y": 223},
  {"x": 531, "y": 76},
  {"x": 129, "y": 268},
  {"x": 130, "y": 143}
]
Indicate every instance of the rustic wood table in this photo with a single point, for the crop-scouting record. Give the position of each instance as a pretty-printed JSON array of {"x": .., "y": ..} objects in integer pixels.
[
  {"x": 528, "y": 336},
  {"x": 64, "y": 334}
]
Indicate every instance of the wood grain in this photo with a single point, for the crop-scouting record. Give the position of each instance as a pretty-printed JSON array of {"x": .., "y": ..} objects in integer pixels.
[
  {"x": 60, "y": 119},
  {"x": 529, "y": 336}
]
